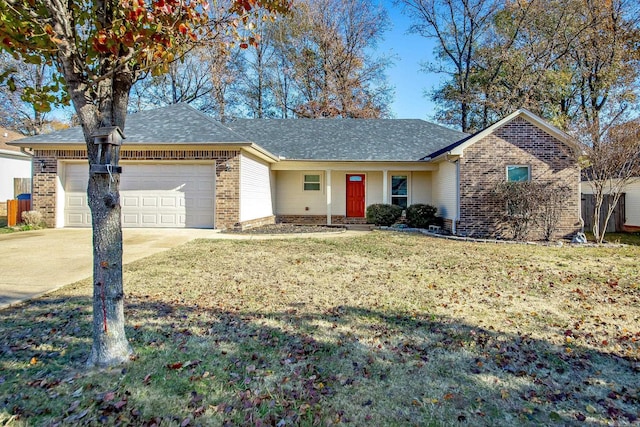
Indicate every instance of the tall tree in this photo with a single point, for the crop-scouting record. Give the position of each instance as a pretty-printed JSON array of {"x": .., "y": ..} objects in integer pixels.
[
  {"x": 24, "y": 105},
  {"x": 326, "y": 69},
  {"x": 609, "y": 166},
  {"x": 99, "y": 49},
  {"x": 202, "y": 79},
  {"x": 186, "y": 81},
  {"x": 459, "y": 28}
]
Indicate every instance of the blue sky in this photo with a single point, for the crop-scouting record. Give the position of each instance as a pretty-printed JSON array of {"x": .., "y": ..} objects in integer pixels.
[{"x": 404, "y": 74}]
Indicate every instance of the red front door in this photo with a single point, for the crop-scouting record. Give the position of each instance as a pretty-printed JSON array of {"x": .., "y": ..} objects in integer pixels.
[{"x": 355, "y": 195}]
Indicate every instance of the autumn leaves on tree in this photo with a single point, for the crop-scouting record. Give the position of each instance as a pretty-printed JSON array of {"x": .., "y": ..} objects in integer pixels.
[{"x": 99, "y": 49}]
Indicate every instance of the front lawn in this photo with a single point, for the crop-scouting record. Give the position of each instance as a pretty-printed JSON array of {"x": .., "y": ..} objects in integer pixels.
[
  {"x": 624, "y": 238},
  {"x": 384, "y": 329}
]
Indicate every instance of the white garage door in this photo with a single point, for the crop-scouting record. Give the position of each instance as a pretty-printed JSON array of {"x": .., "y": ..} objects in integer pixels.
[{"x": 158, "y": 195}]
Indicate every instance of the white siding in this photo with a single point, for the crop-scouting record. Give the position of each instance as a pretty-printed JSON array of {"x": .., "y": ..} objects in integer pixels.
[
  {"x": 373, "y": 189},
  {"x": 255, "y": 189},
  {"x": 444, "y": 191},
  {"x": 293, "y": 200},
  {"x": 631, "y": 201},
  {"x": 11, "y": 167}
]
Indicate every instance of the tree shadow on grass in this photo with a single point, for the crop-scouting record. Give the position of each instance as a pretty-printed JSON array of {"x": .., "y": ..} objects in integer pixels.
[{"x": 300, "y": 367}]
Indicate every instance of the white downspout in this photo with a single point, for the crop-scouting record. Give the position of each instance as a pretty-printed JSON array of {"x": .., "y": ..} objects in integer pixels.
[
  {"x": 457, "y": 215},
  {"x": 328, "y": 191}
]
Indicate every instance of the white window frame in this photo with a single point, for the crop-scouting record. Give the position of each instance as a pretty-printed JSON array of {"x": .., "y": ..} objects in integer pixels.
[
  {"x": 305, "y": 182},
  {"x": 506, "y": 169},
  {"x": 408, "y": 195}
]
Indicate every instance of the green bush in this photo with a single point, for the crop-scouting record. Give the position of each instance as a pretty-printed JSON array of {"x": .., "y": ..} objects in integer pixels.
[
  {"x": 421, "y": 216},
  {"x": 381, "y": 214}
]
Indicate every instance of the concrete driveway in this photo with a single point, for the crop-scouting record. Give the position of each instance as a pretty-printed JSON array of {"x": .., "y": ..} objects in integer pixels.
[{"x": 36, "y": 262}]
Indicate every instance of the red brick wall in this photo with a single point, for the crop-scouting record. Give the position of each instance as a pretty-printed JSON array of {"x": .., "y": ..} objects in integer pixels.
[
  {"x": 227, "y": 211},
  {"x": 484, "y": 163}
]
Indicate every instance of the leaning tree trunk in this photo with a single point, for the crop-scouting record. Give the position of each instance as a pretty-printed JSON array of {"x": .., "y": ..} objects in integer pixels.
[{"x": 110, "y": 344}]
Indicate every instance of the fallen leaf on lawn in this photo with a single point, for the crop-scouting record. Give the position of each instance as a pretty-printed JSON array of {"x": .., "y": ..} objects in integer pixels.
[
  {"x": 108, "y": 396},
  {"x": 504, "y": 394},
  {"x": 176, "y": 365},
  {"x": 448, "y": 396},
  {"x": 120, "y": 404},
  {"x": 33, "y": 361},
  {"x": 590, "y": 409},
  {"x": 146, "y": 380}
]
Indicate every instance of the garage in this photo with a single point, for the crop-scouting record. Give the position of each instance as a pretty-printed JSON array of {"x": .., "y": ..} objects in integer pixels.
[{"x": 170, "y": 195}]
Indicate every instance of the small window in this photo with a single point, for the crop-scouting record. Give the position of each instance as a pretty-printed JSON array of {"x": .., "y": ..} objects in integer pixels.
[
  {"x": 518, "y": 173},
  {"x": 355, "y": 178},
  {"x": 312, "y": 183},
  {"x": 399, "y": 193}
]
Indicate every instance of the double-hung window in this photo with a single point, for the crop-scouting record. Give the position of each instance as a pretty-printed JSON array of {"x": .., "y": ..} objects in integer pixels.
[
  {"x": 399, "y": 190},
  {"x": 311, "y": 182}
]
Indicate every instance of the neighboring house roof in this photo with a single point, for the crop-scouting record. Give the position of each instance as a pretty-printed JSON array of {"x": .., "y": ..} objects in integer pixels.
[
  {"x": 347, "y": 139},
  {"x": 459, "y": 146},
  {"x": 175, "y": 124},
  {"x": 7, "y": 135}
]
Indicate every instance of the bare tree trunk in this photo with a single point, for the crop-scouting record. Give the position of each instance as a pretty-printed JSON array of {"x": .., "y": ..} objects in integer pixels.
[
  {"x": 599, "y": 196},
  {"x": 110, "y": 344}
]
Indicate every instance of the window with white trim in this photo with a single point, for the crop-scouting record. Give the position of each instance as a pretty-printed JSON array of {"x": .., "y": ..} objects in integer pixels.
[
  {"x": 399, "y": 190},
  {"x": 311, "y": 182},
  {"x": 518, "y": 173}
]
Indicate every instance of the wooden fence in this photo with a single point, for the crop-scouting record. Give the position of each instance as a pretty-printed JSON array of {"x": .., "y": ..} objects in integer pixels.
[
  {"x": 617, "y": 220},
  {"x": 15, "y": 209},
  {"x": 21, "y": 186}
]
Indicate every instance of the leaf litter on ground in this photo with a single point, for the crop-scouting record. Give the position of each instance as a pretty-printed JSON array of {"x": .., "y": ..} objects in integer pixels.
[{"x": 385, "y": 329}]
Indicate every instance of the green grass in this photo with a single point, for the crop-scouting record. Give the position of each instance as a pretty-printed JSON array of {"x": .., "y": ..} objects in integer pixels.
[
  {"x": 625, "y": 238},
  {"x": 384, "y": 329},
  {"x": 3, "y": 226}
]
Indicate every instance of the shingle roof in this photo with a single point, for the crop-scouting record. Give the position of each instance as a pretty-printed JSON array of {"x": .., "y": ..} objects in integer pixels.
[
  {"x": 7, "y": 135},
  {"x": 301, "y": 139},
  {"x": 175, "y": 124},
  {"x": 347, "y": 139}
]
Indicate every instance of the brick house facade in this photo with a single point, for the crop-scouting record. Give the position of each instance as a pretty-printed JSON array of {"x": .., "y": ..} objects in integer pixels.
[
  {"x": 484, "y": 165},
  {"x": 246, "y": 173},
  {"x": 227, "y": 208}
]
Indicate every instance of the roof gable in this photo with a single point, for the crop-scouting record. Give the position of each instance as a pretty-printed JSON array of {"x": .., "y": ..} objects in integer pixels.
[
  {"x": 458, "y": 147},
  {"x": 347, "y": 139}
]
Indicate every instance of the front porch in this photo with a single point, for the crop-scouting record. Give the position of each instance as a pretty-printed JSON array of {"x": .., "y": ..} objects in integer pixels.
[{"x": 339, "y": 192}]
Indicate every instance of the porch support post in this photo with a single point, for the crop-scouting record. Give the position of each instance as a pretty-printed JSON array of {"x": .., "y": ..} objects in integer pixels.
[
  {"x": 328, "y": 191},
  {"x": 385, "y": 186}
]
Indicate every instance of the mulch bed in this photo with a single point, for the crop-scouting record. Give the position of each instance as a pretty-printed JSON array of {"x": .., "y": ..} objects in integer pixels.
[{"x": 288, "y": 229}]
